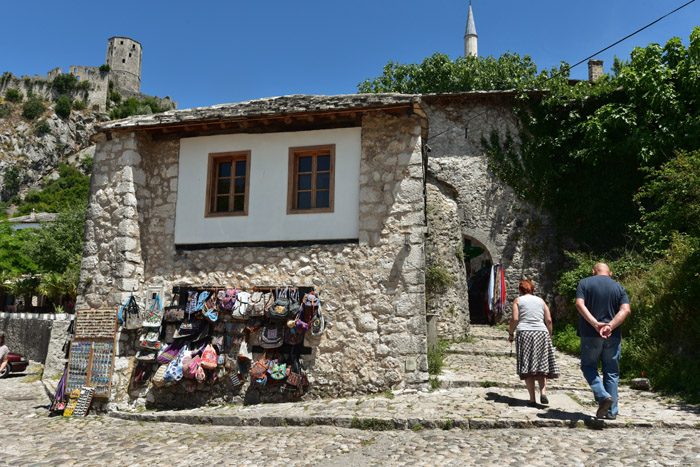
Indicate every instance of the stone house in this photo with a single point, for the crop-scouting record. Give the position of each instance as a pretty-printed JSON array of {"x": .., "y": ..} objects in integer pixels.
[
  {"x": 154, "y": 223},
  {"x": 404, "y": 183}
]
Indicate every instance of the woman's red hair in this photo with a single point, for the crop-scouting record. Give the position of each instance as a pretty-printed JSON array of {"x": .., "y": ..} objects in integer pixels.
[{"x": 526, "y": 287}]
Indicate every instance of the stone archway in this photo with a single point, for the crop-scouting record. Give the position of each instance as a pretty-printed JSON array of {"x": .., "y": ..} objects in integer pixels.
[{"x": 477, "y": 263}]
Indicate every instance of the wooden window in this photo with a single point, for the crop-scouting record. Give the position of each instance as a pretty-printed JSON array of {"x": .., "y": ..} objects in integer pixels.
[
  {"x": 311, "y": 179},
  {"x": 227, "y": 185}
]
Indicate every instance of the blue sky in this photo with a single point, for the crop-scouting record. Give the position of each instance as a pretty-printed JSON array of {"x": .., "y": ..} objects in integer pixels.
[{"x": 211, "y": 52}]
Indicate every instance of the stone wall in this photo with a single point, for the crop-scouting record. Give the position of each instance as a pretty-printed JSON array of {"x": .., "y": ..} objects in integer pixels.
[
  {"x": 30, "y": 334},
  {"x": 372, "y": 290},
  {"x": 443, "y": 249},
  {"x": 518, "y": 235}
]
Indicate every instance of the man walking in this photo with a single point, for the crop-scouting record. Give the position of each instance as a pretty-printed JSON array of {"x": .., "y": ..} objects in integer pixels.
[{"x": 603, "y": 305}]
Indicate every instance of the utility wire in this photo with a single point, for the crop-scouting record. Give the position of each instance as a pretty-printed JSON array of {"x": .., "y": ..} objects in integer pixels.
[{"x": 554, "y": 75}]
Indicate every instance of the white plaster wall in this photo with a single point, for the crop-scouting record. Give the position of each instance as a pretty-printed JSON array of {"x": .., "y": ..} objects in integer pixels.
[{"x": 267, "y": 218}]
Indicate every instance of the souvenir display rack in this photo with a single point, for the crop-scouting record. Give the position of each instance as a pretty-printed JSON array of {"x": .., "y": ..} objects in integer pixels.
[{"x": 91, "y": 358}]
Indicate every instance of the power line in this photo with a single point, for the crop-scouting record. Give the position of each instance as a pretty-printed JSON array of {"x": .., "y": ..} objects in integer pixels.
[
  {"x": 635, "y": 32},
  {"x": 554, "y": 75}
]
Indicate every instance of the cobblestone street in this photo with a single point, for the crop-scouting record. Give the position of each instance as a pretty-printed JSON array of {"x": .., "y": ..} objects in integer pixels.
[{"x": 461, "y": 424}]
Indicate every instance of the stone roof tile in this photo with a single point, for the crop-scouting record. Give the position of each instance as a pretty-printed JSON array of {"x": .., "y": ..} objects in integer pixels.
[{"x": 271, "y": 106}]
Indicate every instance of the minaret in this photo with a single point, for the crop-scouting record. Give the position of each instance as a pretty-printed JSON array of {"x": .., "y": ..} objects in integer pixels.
[{"x": 470, "y": 37}]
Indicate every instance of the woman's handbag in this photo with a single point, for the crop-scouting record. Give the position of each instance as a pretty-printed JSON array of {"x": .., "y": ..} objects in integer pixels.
[
  {"x": 153, "y": 317},
  {"x": 129, "y": 314}
]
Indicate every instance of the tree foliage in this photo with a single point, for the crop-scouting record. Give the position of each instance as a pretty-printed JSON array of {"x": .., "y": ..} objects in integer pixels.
[
  {"x": 438, "y": 74},
  {"x": 134, "y": 106},
  {"x": 65, "y": 83},
  {"x": 583, "y": 149},
  {"x": 33, "y": 108},
  {"x": 57, "y": 245},
  {"x": 63, "y": 106},
  {"x": 70, "y": 189}
]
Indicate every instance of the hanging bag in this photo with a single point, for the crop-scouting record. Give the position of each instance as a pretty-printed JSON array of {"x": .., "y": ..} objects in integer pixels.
[
  {"x": 271, "y": 336},
  {"x": 173, "y": 372},
  {"x": 210, "y": 311},
  {"x": 129, "y": 314},
  {"x": 280, "y": 310},
  {"x": 153, "y": 316},
  {"x": 257, "y": 304},
  {"x": 240, "y": 308},
  {"x": 150, "y": 339},
  {"x": 209, "y": 358},
  {"x": 191, "y": 307},
  {"x": 173, "y": 312}
]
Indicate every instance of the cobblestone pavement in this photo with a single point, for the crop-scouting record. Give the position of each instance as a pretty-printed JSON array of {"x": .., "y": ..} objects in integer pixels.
[{"x": 470, "y": 425}]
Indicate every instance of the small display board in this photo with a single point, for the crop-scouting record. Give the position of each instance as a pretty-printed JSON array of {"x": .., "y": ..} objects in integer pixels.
[
  {"x": 90, "y": 365},
  {"x": 72, "y": 403},
  {"x": 79, "y": 402}
]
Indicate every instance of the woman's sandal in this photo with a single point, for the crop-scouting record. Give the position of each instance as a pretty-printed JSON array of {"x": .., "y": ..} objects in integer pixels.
[{"x": 543, "y": 399}]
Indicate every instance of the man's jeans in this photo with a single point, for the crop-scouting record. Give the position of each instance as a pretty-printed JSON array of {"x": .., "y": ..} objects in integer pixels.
[{"x": 608, "y": 352}]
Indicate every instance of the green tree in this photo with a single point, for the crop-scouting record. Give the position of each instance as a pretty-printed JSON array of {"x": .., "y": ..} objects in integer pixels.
[
  {"x": 13, "y": 95},
  {"x": 438, "y": 73},
  {"x": 12, "y": 260},
  {"x": 11, "y": 183},
  {"x": 70, "y": 189},
  {"x": 65, "y": 83},
  {"x": 63, "y": 106},
  {"x": 58, "y": 245},
  {"x": 33, "y": 108},
  {"x": 583, "y": 148}
]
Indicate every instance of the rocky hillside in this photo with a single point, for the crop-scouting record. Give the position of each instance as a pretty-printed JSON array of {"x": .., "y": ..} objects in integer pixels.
[{"x": 32, "y": 149}]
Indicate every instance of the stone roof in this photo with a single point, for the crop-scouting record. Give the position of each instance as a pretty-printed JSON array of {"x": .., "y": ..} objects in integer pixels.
[{"x": 260, "y": 108}]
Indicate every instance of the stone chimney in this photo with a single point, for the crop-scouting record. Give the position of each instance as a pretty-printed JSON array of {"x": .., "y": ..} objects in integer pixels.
[{"x": 595, "y": 70}]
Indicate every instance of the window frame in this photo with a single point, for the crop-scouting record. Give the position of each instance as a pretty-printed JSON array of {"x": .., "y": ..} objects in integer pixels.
[
  {"x": 294, "y": 154},
  {"x": 215, "y": 158}
]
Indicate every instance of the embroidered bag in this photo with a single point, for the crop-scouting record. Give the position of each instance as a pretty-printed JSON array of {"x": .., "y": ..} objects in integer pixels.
[
  {"x": 170, "y": 353},
  {"x": 280, "y": 309},
  {"x": 210, "y": 310},
  {"x": 201, "y": 300},
  {"x": 278, "y": 371},
  {"x": 153, "y": 316},
  {"x": 191, "y": 365},
  {"x": 209, "y": 358},
  {"x": 271, "y": 336},
  {"x": 229, "y": 299},
  {"x": 173, "y": 372},
  {"x": 149, "y": 339},
  {"x": 236, "y": 379},
  {"x": 173, "y": 312},
  {"x": 259, "y": 368},
  {"x": 240, "y": 308},
  {"x": 191, "y": 307},
  {"x": 129, "y": 314}
]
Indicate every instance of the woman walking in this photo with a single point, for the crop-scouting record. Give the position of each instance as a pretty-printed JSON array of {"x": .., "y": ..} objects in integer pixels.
[{"x": 533, "y": 323}]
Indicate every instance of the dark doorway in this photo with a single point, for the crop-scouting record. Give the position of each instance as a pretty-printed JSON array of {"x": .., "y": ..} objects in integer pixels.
[{"x": 477, "y": 262}]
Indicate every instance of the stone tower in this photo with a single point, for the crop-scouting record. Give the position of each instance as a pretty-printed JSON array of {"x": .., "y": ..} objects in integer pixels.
[
  {"x": 470, "y": 37},
  {"x": 124, "y": 60}
]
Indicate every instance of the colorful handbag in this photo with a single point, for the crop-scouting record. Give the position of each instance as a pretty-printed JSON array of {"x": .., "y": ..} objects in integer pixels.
[
  {"x": 210, "y": 310},
  {"x": 259, "y": 368},
  {"x": 153, "y": 316},
  {"x": 170, "y": 353},
  {"x": 149, "y": 339},
  {"x": 271, "y": 336},
  {"x": 191, "y": 307},
  {"x": 244, "y": 352},
  {"x": 173, "y": 372},
  {"x": 146, "y": 355},
  {"x": 280, "y": 309},
  {"x": 209, "y": 358},
  {"x": 229, "y": 299},
  {"x": 158, "y": 377}
]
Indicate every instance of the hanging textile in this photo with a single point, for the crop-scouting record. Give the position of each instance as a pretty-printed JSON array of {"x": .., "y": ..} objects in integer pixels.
[
  {"x": 497, "y": 293},
  {"x": 58, "y": 403},
  {"x": 491, "y": 286}
]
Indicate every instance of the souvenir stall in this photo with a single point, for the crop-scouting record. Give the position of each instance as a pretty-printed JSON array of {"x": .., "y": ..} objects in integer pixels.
[
  {"x": 88, "y": 374},
  {"x": 207, "y": 336}
]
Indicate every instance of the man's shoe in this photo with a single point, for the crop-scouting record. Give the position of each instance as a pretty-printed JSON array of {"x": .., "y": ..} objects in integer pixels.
[
  {"x": 603, "y": 407},
  {"x": 609, "y": 416},
  {"x": 543, "y": 399}
]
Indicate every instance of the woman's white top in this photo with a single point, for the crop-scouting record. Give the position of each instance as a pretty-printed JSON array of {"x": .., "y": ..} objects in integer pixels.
[{"x": 531, "y": 313}]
